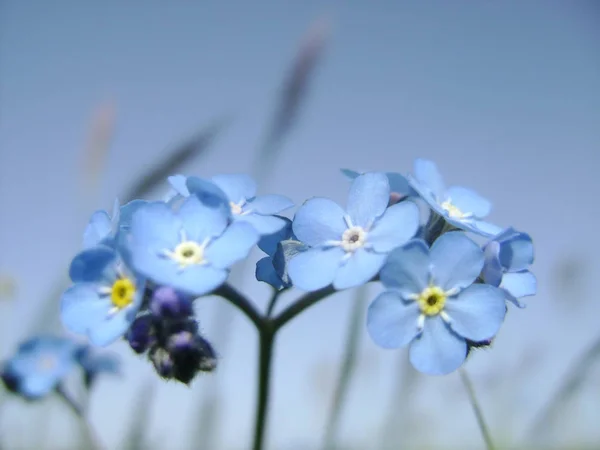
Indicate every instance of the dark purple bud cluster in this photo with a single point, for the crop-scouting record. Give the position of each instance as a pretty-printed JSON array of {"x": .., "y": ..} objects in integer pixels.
[{"x": 169, "y": 334}]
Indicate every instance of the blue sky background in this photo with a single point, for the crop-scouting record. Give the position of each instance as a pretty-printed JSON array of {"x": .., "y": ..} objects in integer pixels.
[{"x": 504, "y": 96}]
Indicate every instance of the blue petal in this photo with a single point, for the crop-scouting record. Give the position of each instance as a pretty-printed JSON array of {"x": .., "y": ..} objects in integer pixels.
[
  {"x": 265, "y": 272},
  {"x": 209, "y": 194},
  {"x": 98, "y": 228},
  {"x": 368, "y": 198},
  {"x": 286, "y": 251},
  {"x": 392, "y": 322},
  {"x": 154, "y": 228},
  {"x": 92, "y": 265},
  {"x": 81, "y": 307},
  {"x": 268, "y": 243},
  {"x": 237, "y": 187},
  {"x": 516, "y": 253},
  {"x": 519, "y": 284},
  {"x": 232, "y": 246},
  {"x": 319, "y": 220},
  {"x": 358, "y": 269},
  {"x": 456, "y": 260},
  {"x": 469, "y": 202},
  {"x": 398, "y": 224},
  {"x": 492, "y": 269},
  {"x": 438, "y": 350},
  {"x": 426, "y": 174},
  {"x": 269, "y": 204},
  {"x": 37, "y": 385},
  {"x": 399, "y": 184},
  {"x": 193, "y": 280},
  {"x": 113, "y": 327},
  {"x": 477, "y": 312},
  {"x": 128, "y": 210},
  {"x": 407, "y": 269},
  {"x": 480, "y": 227},
  {"x": 201, "y": 222},
  {"x": 264, "y": 225},
  {"x": 178, "y": 183},
  {"x": 352, "y": 174},
  {"x": 315, "y": 268}
]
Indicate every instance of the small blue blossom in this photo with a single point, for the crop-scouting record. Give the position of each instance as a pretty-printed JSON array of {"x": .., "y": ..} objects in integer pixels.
[
  {"x": 104, "y": 229},
  {"x": 507, "y": 259},
  {"x": 245, "y": 205},
  {"x": 265, "y": 267},
  {"x": 39, "y": 365},
  {"x": 190, "y": 249},
  {"x": 347, "y": 248},
  {"x": 105, "y": 296},
  {"x": 432, "y": 304},
  {"x": 459, "y": 206},
  {"x": 400, "y": 189}
]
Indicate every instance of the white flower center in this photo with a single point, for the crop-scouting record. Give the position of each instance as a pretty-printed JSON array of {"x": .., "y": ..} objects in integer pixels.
[
  {"x": 353, "y": 238},
  {"x": 187, "y": 253},
  {"x": 236, "y": 208}
]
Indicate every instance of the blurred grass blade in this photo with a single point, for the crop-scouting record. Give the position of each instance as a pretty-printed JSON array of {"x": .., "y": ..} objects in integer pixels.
[
  {"x": 205, "y": 422},
  {"x": 135, "y": 439},
  {"x": 196, "y": 146},
  {"x": 293, "y": 92},
  {"x": 347, "y": 368}
]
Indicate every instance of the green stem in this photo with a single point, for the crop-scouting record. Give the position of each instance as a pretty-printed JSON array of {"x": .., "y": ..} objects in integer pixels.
[
  {"x": 477, "y": 409},
  {"x": 267, "y": 339},
  {"x": 304, "y": 302},
  {"x": 239, "y": 300}
]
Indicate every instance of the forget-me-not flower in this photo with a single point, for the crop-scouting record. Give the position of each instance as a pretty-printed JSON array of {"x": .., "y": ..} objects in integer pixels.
[
  {"x": 190, "y": 249},
  {"x": 103, "y": 228},
  {"x": 432, "y": 304},
  {"x": 400, "y": 188},
  {"x": 347, "y": 248},
  {"x": 459, "y": 206},
  {"x": 265, "y": 267},
  {"x": 39, "y": 365},
  {"x": 507, "y": 259},
  {"x": 245, "y": 205},
  {"x": 105, "y": 296}
]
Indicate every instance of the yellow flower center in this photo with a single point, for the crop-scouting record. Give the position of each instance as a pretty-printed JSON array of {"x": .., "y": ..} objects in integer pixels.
[
  {"x": 236, "y": 209},
  {"x": 432, "y": 300},
  {"x": 453, "y": 211},
  {"x": 122, "y": 292}
]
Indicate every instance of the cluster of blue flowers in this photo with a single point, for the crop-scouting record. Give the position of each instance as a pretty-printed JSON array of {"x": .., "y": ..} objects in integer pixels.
[{"x": 141, "y": 269}]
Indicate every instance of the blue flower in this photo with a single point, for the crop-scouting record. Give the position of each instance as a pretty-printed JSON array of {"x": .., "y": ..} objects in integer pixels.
[
  {"x": 104, "y": 229},
  {"x": 245, "y": 205},
  {"x": 190, "y": 249},
  {"x": 400, "y": 189},
  {"x": 105, "y": 296},
  {"x": 347, "y": 248},
  {"x": 432, "y": 303},
  {"x": 265, "y": 267},
  {"x": 507, "y": 259},
  {"x": 39, "y": 365},
  {"x": 459, "y": 206}
]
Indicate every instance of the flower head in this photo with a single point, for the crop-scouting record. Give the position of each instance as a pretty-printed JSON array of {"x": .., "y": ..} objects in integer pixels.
[
  {"x": 400, "y": 188},
  {"x": 191, "y": 249},
  {"x": 432, "y": 304},
  {"x": 245, "y": 205},
  {"x": 105, "y": 296},
  {"x": 507, "y": 259},
  {"x": 347, "y": 248},
  {"x": 106, "y": 230},
  {"x": 459, "y": 206},
  {"x": 39, "y": 365}
]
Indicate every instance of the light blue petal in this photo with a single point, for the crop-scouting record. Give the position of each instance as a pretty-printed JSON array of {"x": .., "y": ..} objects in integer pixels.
[
  {"x": 407, "y": 269},
  {"x": 516, "y": 253},
  {"x": 352, "y": 174},
  {"x": 37, "y": 385},
  {"x": 480, "y": 227},
  {"x": 358, "y": 269},
  {"x": 127, "y": 211},
  {"x": 269, "y": 204},
  {"x": 392, "y": 322},
  {"x": 178, "y": 183},
  {"x": 268, "y": 243},
  {"x": 209, "y": 194},
  {"x": 398, "y": 224},
  {"x": 201, "y": 222},
  {"x": 438, "y": 350},
  {"x": 426, "y": 174},
  {"x": 232, "y": 246},
  {"x": 319, "y": 220},
  {"x": 81, "y": 307},
  {"x": 286, "y": 251},
  {"x": 315, "y": 268},
  {"x": 368, "y": 198},
  {"x": 519, "y": 284},
  {"x": 469, "y": 202},
  {"x": 113, "y": 327},
  {"x": 265, "y": 272},
  {"x": 154, "y": 228},
  {"x": 193, "y": 280},
  {"x": 237, "y": 187},
  {"x": 92, "y": 265},
  {"x": 477, "y": 312},
  {"x": 399, "y": 184},
  {"x": 264, "y": 225},
  {"x": 492, "y": 269},
  {"x": 98, "y": 228},
  {"x": 456, "y": 260}
]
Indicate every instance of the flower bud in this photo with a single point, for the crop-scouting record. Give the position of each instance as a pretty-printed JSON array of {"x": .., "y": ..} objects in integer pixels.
[
  {"x": 167, "y": 302},
  {"x": 163, "y": 363},
  {"x": 141, "y": 334}
]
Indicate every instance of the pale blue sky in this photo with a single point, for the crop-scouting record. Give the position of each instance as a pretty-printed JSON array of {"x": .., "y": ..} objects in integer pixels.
[{"x": 505, "y": 96}]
